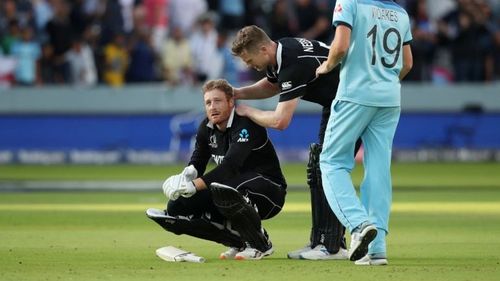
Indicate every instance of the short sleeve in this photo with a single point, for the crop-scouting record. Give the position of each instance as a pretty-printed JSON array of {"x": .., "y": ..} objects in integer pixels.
[
  {"x": 408, "y": 37},
  {"x": 344, "y": 13}
]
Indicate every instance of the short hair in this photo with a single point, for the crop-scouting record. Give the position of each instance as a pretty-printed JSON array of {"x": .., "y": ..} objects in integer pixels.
[
  {"x": 249, "y": 39},
  {"x": 219, "y": 84}
]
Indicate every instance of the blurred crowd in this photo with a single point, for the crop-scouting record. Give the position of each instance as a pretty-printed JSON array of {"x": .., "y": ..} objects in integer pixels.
[{"x": 113, "y": 42}]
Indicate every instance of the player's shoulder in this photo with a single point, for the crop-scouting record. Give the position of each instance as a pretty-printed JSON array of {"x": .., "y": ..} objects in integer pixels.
[
  {"x": 204, "y": 125},
  {"x": 243, "y": 122}
]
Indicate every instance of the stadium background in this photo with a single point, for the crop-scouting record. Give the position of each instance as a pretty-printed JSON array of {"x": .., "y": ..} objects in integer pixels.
[{"x": 74, "y": 94}]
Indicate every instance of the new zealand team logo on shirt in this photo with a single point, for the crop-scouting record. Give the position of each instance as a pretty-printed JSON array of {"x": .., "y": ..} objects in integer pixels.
[
  {"x": 244, "y": 135},
  {"x": 213, "y": 142}
]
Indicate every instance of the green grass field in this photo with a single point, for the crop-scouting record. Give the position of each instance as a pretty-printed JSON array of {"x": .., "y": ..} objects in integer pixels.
[{"x": 445, "y": 225}]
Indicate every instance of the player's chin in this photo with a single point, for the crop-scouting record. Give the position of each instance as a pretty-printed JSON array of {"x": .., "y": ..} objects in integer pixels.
[{"x": 215, "y": 119}]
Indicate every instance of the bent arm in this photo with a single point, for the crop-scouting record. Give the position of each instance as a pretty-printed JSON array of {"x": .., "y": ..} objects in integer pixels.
[
  {"x": 279, "y": 119},
  {"x": 262, "y": 89},
  {"x": 407, "y": 62}
]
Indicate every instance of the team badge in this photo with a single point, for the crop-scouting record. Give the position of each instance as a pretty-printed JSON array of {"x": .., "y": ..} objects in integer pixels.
[
  {"x": 338, "y": 9},
  {"x": 244, "y": 136}
]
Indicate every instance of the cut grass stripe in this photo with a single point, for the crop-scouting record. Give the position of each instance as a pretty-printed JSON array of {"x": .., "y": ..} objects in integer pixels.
[{"x": 421, "y": 207}]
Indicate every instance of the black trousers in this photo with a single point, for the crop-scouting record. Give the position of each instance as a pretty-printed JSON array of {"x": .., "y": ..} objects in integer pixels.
[{"x": 266, "y": 195}]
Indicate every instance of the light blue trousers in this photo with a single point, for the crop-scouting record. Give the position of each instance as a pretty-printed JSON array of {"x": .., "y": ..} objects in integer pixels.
[{"x": 376, "y": 127}]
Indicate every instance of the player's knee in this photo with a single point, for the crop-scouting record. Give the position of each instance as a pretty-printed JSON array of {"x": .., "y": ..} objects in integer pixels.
[{"x": 176, "y": 208}]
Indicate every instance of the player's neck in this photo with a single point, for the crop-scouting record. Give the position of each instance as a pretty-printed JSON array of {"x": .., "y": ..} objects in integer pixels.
[
  {"x": 272, "y": 53},
  {"x": 222, "y": 126}
]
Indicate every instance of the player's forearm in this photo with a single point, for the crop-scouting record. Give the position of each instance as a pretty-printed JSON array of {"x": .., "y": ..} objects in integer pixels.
[
  {"x": 339, "y": 47},
  {"x": 261, "y": 90},
  {"x": 403, "y": 73},
  {"x": 267, "y": 119},
  {"x": 407, "y": 62},
  {"x": 200, "y": 184}
]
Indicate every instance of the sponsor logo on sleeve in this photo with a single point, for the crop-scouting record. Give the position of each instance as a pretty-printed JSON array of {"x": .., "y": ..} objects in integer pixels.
[{"x": 286, "y": 85}]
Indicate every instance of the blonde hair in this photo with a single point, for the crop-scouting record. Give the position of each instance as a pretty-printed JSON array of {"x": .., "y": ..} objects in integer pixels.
[
  {"x": 249, "y": 39},
  {"x": 219, "y": 84}
]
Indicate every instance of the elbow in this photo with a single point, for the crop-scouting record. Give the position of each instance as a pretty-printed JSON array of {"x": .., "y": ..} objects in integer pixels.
[
  {"x": 281, "y": 124},
  {"x": 342, "y": 52}
]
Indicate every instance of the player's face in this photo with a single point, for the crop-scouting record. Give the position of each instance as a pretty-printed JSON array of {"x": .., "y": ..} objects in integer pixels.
[
  {"x": 218, "y": 107},
  {"x": 257, "y": 60}
]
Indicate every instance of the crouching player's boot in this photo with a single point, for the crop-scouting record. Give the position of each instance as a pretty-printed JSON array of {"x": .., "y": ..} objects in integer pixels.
[{"x": 244, "y": 219}]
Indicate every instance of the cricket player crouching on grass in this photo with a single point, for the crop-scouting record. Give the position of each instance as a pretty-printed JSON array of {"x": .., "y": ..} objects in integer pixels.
[{"x": 226, "y": 205}]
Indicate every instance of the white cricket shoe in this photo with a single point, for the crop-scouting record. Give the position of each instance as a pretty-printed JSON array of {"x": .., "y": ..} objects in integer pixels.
[
  {"x": 321, "y": 253},
  {"x": 230, "y": 253},
  {"x": 253, "y": 254},
  {"x": 360, "y": 241},
  {"x": 295, "y": 255},
  {"x": 367, "y": 260}
]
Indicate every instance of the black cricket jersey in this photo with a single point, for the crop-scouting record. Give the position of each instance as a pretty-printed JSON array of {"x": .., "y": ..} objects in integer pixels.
[
  {"x": 295, "y": 72},
  {"x": 243, "y": 147}
]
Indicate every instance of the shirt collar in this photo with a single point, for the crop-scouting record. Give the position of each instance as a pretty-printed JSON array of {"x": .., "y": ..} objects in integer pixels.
[
  {"x": 278, "y": 56},
  {"x": 229, "y": 122}
]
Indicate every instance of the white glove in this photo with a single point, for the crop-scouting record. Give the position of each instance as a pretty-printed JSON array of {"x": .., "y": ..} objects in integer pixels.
[
  {"x": 190, "y": 173},
  {"x": 178, "y": 185},
  {"x": 170, "y": 185}
]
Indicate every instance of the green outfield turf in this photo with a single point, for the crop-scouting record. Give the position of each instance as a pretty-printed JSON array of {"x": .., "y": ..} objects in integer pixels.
[{"x": 445, "y": 225}]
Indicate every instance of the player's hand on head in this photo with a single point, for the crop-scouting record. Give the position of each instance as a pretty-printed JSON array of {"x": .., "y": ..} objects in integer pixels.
[{"x": 236, "y": 93}]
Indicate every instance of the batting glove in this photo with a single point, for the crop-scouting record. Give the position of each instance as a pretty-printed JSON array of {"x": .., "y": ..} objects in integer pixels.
[{"x": 190, "y": 173}]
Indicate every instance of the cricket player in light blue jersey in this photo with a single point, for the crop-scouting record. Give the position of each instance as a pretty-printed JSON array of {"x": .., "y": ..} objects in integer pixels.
[{"x": 372, "y": 44}]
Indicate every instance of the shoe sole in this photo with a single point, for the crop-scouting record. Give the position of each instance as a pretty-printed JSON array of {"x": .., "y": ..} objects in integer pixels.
[
  {"x": 362, "y": 249},
  {"x": 376, "y": 262}
]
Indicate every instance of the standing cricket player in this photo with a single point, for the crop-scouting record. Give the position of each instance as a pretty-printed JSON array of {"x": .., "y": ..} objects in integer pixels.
[
  {"x": 290, "y": 64},
  {"x": 226, "y": 205},
  {"x": 372, "y": 44}
]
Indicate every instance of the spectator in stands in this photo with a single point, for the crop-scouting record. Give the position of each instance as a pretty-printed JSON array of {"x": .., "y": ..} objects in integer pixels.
[
  {"x": 281, "y": 23},
  {"x": 10, "y": 37},
  {"x": 43, "y": 13},
  {"x": 112, "y": 21},
  {"x": 47, "y": 65},
  {"x": 7, "y": 68},
  {"x": 142, "y": 58},
  {"x": 203, "y": 44},
  {"x": 493, "y": 58},
  {"x": 185, "y": 13},
  {"x": 313, "y": 23},
  {"x": 232, "y": 13},
  {"x": 81, "y": 63},
  {"x": 60, "y": 34},
  {"x": 8, "y": 14},
  {"x": 424, "y": 41},
  {"x": 225, "y": 62},
  {"x": 26, "y": 52},
  {"x": 176, "y": 58},
  {"x": 156, "y": 16},
  {"x": 116, "y": 60}
]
